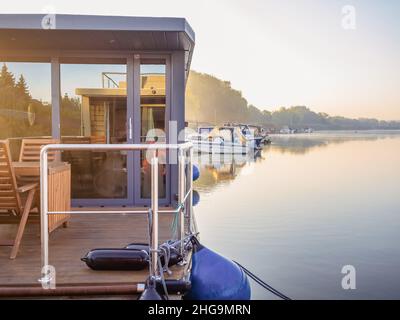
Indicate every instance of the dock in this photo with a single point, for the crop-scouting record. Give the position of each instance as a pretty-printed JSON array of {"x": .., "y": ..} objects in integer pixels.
[{"x": 68, "y": 245}]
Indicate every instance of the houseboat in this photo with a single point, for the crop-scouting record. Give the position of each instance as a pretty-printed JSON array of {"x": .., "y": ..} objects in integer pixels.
[
  {"x": 90, "y": 112},
  {"x": 94, "y": 187}
]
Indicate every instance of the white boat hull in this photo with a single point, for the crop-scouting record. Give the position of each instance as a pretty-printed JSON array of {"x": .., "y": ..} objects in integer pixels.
[{"x": 218, "y": 148}]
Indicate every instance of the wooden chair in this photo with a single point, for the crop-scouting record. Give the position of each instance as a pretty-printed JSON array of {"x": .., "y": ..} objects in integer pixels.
[
  {"x": 30, "y": 149},
  {"x": 30, "y": 152},
  {"x": 12, "y": 197}
]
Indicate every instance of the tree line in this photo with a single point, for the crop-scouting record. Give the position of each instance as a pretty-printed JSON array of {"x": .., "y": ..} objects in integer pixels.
[
  {"x": 21, "y": 115},
  {"x": 211, "y": 100}
]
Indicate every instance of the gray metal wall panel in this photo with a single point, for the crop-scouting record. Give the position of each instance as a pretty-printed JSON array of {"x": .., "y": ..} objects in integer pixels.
[{"x": 178, "y": 78}]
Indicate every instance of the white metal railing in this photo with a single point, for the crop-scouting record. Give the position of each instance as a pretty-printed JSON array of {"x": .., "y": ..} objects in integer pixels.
[
  {"x": 185, "y": 195},
  {"x": 106, "y": 78}
]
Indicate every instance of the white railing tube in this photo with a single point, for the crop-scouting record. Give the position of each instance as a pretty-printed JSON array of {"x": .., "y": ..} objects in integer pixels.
[
  {"x": 44, "y": 224},
  {"x": 181, "y": 200},
  {"x": 190, "y": 211},
  {"x": 154, "y": 215},
  {"x": 118, "y": 147}
]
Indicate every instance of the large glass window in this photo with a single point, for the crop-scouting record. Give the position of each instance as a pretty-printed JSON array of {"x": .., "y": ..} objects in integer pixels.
[
  {"x": 152, "y": 110},
  {"x": 25, "y": 102},
  {"x": 94, "y": 111}
]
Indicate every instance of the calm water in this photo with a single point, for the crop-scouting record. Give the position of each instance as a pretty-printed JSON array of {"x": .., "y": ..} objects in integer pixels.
[{"x": 306, "y": 207}]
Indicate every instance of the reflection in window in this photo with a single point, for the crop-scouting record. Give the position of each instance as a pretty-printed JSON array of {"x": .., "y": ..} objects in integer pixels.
[
  {"x": 25, "y": 102},
  {"x": 152, "y": 109},
  {"x": 93, "y": 111}
]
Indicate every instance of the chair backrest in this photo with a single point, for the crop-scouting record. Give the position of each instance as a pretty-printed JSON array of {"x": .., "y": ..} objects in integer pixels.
[
  {"x": 9, "y": 197},
  {"x": 30, "y": 149},
  {"x": 75, "y": 140}
]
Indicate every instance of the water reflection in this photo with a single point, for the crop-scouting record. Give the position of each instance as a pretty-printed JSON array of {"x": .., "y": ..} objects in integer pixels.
[
  {"x": 304, "y": 208},
  {"x": 222, "y": 169},
  {"x": 303, "y": 143}
]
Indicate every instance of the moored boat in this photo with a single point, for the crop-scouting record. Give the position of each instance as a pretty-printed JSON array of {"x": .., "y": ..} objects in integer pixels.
[{"x": 222, "y": 140}]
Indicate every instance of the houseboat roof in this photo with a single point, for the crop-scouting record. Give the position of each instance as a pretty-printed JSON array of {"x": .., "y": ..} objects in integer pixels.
[{"x": 90, "y": 32}]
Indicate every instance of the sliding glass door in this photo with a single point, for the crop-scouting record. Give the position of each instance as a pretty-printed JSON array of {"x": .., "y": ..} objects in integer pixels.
[
  {"x": 108, "y": 102},
  {"x": 94, "y": 110},
  {"x": 153, "y": 126}
]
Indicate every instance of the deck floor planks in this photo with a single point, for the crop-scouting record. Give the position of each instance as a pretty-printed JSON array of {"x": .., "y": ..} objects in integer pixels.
[{"x": 68, "y": 245}]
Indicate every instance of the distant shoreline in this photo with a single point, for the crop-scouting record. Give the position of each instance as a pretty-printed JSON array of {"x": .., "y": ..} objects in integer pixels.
[{"x": 347, "y": 131}]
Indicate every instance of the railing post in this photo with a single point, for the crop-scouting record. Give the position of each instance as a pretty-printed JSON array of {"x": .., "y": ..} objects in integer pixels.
[
  {"x": 181, "y": 197},
  {"x": 43, "y": 210},
  {"x": 190, "y": 200},
  {"x": 154, "y": 215}
]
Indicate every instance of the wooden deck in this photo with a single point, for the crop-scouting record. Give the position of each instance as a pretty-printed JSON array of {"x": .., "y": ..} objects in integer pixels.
[{"x": 68, "y": 245}]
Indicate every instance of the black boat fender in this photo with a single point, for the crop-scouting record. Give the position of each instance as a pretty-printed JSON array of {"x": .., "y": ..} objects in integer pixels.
[
  {"x": 174, "y": 256},
  {"x": 133, "y": 257},
  {"x": 138, "y": 246},
  {"x": 116, "y": 259},
  {"x": 179, "y": 286}
]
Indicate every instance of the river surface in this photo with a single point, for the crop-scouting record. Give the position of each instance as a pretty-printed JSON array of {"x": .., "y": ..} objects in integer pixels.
[{"x": 306, "y": 206}]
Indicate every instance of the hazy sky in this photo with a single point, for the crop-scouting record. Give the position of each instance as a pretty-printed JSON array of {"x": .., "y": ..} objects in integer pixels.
[{"x": 282, "y": 52}]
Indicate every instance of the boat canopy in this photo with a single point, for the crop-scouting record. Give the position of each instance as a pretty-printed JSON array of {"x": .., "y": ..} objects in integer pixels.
[{"x": 229, "y": 134}]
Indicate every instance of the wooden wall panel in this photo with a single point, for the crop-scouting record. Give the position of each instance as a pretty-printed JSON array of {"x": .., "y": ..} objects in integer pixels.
[{"x": 59, "y": 194}]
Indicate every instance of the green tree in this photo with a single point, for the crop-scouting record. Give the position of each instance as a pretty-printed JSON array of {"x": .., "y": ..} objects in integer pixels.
[
  {"x": 23, "y": 97},
  {"x": 7, "y": 88},
  {"x": 22, "y": 87},
  {"x": 6, "y": 78},
  {"x": 70, "y": 116}
]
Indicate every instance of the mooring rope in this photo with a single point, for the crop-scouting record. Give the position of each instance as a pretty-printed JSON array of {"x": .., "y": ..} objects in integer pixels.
[
  {"x": 164, "y": 249},
  {"x": 174, "y": 225},
  {"x": 262, "y": 283},
  {"x": 175, "y": 221},
  {"x": 161, "y": 270}
]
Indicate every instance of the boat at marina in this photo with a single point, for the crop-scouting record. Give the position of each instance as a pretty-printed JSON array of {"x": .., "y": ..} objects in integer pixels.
[
  {"x": 253, "y": 132},
  {"x": 222, "y": 140},
  {"x": 288, "y": 130},
  {"x": 260, "y": 132}
]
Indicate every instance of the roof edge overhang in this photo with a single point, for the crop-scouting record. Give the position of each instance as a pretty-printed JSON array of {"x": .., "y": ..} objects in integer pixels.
[
  {"x": 97, "y": 23},
  {"x": 115, "y": 25}
]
